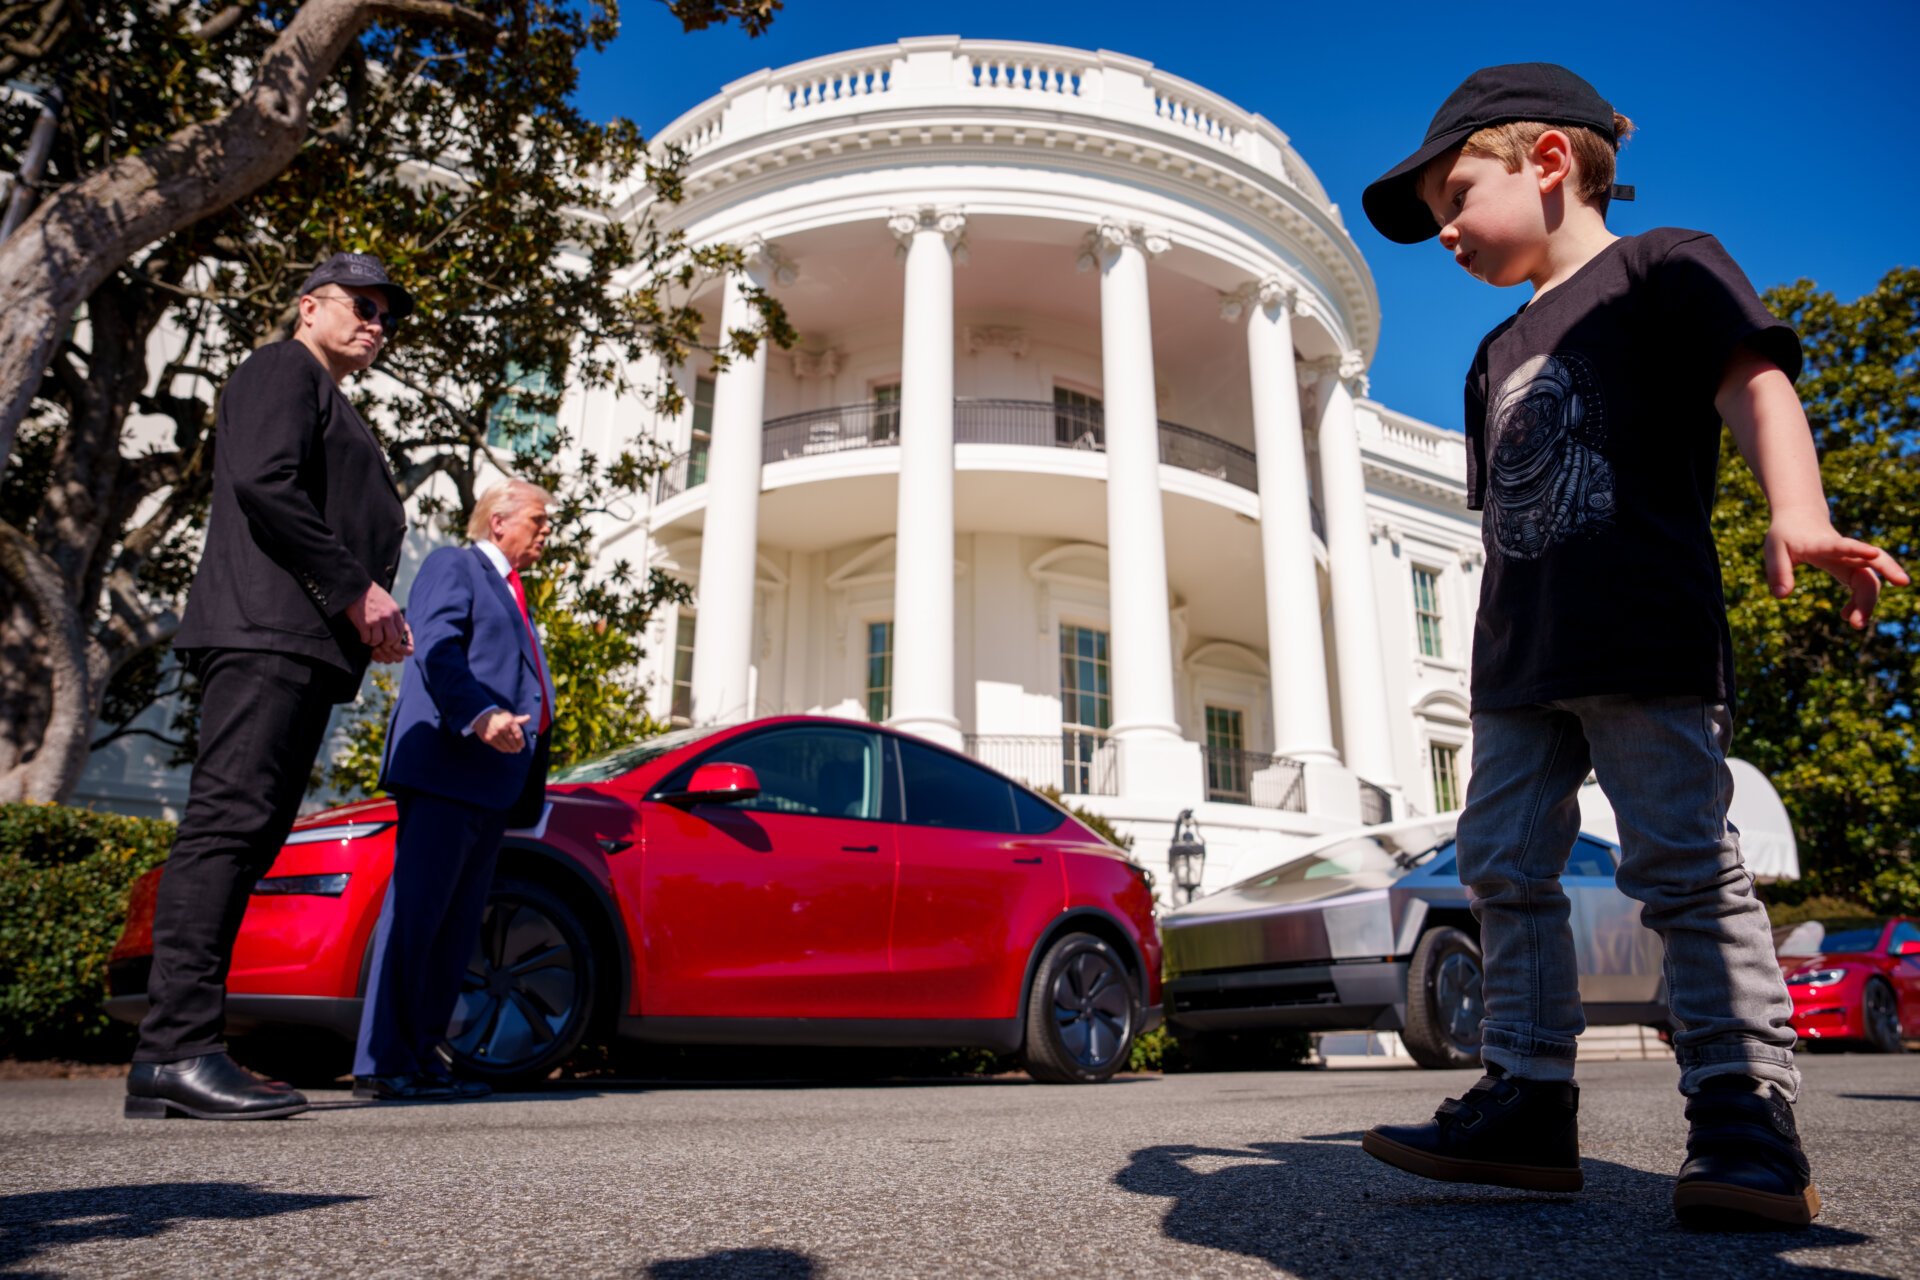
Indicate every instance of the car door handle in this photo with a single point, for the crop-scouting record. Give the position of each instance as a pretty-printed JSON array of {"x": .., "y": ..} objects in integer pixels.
[
  {"x": 1035, "y": 860},
  {"x": 860, "y": 848}
]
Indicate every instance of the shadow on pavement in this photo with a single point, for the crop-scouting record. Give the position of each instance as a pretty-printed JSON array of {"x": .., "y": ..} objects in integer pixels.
[
  {"x": 39, "y": 1221},
  {"x": 1325, "y": 1209},
  {"x": 1883, "y": 1097},
  {"x": 736, "y": 1264}
]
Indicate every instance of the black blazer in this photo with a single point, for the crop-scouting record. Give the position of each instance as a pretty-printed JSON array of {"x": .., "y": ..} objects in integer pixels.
[{"x": 304, "y": 516}]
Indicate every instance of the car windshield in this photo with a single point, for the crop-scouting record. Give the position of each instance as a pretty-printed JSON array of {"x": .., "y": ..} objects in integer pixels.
[
  {"x": 627, "y": 759},
  {"x": 1373, "y": 861},
  {"x": 1828, "y": 937}
]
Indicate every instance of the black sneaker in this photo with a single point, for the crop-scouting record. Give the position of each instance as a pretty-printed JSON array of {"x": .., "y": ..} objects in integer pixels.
[
  {"x": 1506, "y": 1132},
  {"x": 1744, "y": 1167}
]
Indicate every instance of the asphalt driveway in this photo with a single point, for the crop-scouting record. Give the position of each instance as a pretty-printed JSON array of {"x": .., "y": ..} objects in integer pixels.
[{"x": 1220, "y": 1175}]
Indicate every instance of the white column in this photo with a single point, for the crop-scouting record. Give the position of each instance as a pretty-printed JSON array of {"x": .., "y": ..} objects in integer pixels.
[
  {"x": 1153, "y": 760},
  {"x": 1365, "y": 729},
  {"x": 1296, "y": 648},
  {"x": 923, "y": 534},
  {"x": 723, "y": 634}
]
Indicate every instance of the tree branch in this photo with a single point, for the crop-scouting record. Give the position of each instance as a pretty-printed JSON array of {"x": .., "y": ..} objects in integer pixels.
[{"x": 87, "y": 229}]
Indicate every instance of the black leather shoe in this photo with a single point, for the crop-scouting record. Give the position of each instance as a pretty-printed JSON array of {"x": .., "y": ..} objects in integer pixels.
[
  {"x": 1506, "y": 1132},
  {"x": 1744, "y": 1169},
  {"x": 459, "y": 1086},
  {"x": 400, "y": 1089},
  {"x": 210, "y": 1087}
]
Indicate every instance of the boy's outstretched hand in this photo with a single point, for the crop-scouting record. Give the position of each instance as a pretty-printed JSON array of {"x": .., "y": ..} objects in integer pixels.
[
  {"x": 1856, "y": 565},
  {"x": 1760, "y": 407}
]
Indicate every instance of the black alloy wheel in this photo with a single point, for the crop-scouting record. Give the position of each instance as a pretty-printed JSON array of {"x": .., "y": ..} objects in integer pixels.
[
  {"x": 1881, "y": 1014},
  {"x": 527, "y": 996},
  {"x": 1081, "y": 1013},
  {"x": 1444, "y": 1000}
]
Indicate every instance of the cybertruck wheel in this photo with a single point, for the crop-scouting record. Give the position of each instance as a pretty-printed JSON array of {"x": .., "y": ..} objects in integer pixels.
[{"x": 1444, "y": 1004}]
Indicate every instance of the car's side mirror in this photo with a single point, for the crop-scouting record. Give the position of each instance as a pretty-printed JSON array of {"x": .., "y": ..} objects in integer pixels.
[
  {"x": 1907, "y": 947},
  {"x": 716, "y": 784}
]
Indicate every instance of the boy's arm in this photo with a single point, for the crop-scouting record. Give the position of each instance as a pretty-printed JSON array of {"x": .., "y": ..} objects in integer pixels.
[{"x": 1759, "y": 404}]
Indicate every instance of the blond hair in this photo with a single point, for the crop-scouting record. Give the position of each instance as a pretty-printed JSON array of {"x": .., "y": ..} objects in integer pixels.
[
  {"x": 1509, "y": 143},
  {"x": 502, "y": 499}
]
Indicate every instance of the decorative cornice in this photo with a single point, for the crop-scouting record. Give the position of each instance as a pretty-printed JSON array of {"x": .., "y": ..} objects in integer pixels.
[
  {"x": 728, "y": 174},
  {"x": 816, "y": 364},
  {"x": 949, "y": 222},
  {"x": 1112, "y": 235},
  {"x": 995, "y": 335},
  {"x": 1472, "y": 557},
  {"x": 1271, "y": 291}
]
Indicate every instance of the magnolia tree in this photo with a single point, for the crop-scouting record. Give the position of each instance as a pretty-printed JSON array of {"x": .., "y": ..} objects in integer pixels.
[
  {"x": 1829, "y": 712},
  {"x": 207, "y": 157}
]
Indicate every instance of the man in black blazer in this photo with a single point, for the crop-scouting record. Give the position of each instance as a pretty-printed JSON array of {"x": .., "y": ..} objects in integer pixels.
[{"x": 287, "y": 607}]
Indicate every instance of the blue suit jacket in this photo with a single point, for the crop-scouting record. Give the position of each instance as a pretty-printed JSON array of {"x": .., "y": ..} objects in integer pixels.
[{"x": 471, "y": 650}]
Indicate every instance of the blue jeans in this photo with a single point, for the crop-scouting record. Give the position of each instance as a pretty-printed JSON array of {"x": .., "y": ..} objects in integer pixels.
[{"x": 1662, "y": 763}]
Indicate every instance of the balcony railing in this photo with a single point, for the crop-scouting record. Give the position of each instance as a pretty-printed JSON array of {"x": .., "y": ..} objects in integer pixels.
[
  {"x": 1075, "y": 762},
  {"x": 1255, "y": 778},
  {"x": 1375, "y": 804},
  {"x": 1038, "y": 423}
]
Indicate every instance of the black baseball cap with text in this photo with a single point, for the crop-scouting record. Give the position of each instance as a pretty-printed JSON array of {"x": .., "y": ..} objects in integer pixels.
[
  {"x": 364, "y": 271},
  {"x": 1535, "y": 91}
]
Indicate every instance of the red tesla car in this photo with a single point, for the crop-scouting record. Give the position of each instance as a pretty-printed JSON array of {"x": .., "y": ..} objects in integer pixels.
[
  {"x": 791, "y": 881},
  {"x": 1856, "y": 981}
]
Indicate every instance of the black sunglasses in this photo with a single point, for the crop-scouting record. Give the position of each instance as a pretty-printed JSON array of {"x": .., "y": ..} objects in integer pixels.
[{"x": 367, "y": 309}]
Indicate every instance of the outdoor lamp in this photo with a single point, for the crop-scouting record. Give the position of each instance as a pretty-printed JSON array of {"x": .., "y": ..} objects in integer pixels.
[{"x": 1187, "y": 855}]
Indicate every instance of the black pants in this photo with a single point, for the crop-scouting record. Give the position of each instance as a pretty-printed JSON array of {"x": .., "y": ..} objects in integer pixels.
[{"x": 262, "y": 719}]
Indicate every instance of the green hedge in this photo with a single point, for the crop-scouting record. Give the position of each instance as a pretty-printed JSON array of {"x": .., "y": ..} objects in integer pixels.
[{"x": 64, "y": 877}]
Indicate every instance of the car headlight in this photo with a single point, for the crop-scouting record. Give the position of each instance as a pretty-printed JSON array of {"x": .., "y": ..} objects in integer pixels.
[
  {"x": 329, "y": 886},
  {"x": 343, "y": 832},
  {"x": 1817, "y": 978}
]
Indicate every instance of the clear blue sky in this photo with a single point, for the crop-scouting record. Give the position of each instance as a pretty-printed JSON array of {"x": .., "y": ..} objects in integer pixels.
[{"x": 1788, "y": 130}]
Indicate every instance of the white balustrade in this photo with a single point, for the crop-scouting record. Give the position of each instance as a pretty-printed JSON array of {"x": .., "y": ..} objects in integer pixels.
[
  {"x": 861, "y": 80},
  {"x": 940, "y": 72}
]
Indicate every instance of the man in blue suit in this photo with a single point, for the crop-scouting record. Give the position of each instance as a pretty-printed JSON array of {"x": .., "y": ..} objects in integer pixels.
[{"x": 466, "y": 758}]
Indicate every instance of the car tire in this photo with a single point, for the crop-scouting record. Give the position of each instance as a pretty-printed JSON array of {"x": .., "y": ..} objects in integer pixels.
[
  {"x": 1880, "y": 1014},
  {"x": 1444, "y": 1004},
  {"x": 528, "y": 994},
  {"x": 1082, "y": 1013}
]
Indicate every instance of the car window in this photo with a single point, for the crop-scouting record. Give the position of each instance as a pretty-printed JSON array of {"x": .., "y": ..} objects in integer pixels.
[
  {"x": 946, "y": 792},
  {"x": 1826, "y": 937},
  {"x": 1034, "y": 816},
  {"x": 823, "y": 772},
  {"x": 1590, "y": 857},
  {"x": 1903, "y": 933},
  {"x": 627, "y": 759}
]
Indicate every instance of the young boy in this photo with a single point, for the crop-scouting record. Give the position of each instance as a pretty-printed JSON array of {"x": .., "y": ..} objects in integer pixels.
[{"x": 1593, "y": 429}]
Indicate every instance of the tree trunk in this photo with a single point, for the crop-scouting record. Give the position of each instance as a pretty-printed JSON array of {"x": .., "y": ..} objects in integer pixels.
[{"x": 86, "y": 230}]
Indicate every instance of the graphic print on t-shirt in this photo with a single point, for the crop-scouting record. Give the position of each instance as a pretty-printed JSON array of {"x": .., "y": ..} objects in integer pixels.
[{"x": 1549, "y": 480}]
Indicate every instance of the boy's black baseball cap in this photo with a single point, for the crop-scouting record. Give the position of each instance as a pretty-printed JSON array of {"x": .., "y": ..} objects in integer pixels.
[{"x": 1538, "y": 91}]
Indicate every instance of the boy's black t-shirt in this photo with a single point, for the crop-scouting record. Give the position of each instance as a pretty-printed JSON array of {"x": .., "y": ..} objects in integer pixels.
[{"x": 1592, "y": 444}]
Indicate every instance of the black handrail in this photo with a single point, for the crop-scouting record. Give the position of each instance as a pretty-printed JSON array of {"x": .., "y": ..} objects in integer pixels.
[
  {"x": 1038, "y": 423},
  {"x": 1255, "y": 778}
]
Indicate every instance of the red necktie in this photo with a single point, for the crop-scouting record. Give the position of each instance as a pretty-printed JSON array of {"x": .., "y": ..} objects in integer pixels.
[{"x": 520, "y": 595}]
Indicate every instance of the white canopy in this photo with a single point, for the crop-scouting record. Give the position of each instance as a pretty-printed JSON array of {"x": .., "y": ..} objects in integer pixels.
[{"x": 1766, "y": 834}]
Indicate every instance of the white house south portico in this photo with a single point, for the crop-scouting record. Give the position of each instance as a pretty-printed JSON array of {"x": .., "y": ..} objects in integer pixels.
[{"x": 1022, "y": 488}]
